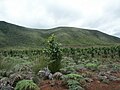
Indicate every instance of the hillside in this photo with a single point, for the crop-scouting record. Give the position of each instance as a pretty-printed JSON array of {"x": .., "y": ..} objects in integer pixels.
[{"x": 17, "y": 36}]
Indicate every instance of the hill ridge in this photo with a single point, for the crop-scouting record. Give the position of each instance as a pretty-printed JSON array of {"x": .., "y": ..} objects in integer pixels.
[{"x": 12, "y": 35}]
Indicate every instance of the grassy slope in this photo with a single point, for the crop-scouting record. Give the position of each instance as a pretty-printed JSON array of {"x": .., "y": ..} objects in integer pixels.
[{"x": 16, "y": 36}]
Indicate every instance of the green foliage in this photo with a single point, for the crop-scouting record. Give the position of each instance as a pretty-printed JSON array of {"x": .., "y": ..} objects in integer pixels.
[
  {"x": 39, "y": 63},
  {"x": 74, "y": 85},
  {"x": 73, "y": 76},
  {"x": 54, "y": 52},
  {"x": 73, "y": 81},
  {"x": 10, "y": 63},
  {"x": 26, "y": 85},
  {"x": 6, "y": 63},
  {"x": 92, "y": 66},
  {"x": 22, "y": 67},
  {"x": 68, "y": 65}
]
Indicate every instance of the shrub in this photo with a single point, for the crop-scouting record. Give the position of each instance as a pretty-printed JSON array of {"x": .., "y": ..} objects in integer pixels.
[
  {"x": 26, "y": 85},
  {"x": 74, "y": 81},
  {"x": 68, "y": 65},
  {"x": 22, "y": 67},
  {"x": 74, "y": 85},
  {"x": 91, "y": 66},
  {"x": 40, "y": 63},
  {"x": 5, "y": 63},
  {"x": 73, "y": 76},
  {"x": 68, "y": 70}
]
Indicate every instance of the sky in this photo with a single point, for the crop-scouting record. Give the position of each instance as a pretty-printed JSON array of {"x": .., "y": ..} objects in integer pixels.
[{"x": 102, "y": 15}]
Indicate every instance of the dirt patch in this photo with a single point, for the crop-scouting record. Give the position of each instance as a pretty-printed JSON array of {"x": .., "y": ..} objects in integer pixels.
[
  {"x": 97, "y": 85},
  {"x": 52, "y": 85}
]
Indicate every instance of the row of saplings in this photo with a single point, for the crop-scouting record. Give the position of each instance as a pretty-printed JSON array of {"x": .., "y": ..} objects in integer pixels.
[{"x": 53, "y": 51}]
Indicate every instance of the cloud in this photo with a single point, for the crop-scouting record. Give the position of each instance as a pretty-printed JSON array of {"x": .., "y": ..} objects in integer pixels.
[{"x": 102, "y": 15}]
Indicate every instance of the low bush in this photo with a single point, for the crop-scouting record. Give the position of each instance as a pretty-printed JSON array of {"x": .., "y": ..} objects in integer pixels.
[
  {"x": 26, "y": 85},
  {"x": 68, "y": 65},
  {"x": 39, "y": 63},
  {"x": 91, "y": 66},
  {"x": 74, "y": 85},
  {"x": 73, "y": 76},
  {"x": 74, "y": 81}
]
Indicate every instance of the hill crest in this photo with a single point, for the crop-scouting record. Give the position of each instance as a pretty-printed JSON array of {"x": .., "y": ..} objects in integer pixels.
[{"x": 12, "y": 35}]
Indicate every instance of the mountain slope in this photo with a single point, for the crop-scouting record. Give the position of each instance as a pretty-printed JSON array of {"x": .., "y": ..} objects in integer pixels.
[{"x": 17, "y": 36}]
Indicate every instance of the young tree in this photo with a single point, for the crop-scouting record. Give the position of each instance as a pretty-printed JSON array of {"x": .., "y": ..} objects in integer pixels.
[{"x": 55, "y": 54}]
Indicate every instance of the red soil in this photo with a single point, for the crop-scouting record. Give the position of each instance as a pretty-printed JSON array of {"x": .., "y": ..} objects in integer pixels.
[
  {"x": 52, "y": 85},
  {"x": 96, "y": 85}
]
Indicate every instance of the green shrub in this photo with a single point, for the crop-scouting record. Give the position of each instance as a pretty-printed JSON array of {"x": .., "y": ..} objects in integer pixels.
[
  {"x": 68, "y": 65},
  {"x": 67, "y": 70},
  {"x": 91, "y": 66},
  {"x": 26, "y": 85},
  {"x": 74, "y": 85},
  {"x": 74, "y": 81},
  {"x": 5, "y": 63},
  {"x": 22, "y": 67},
  {"x": 73, "y": 76},
  {"x": 39, "y": 63},
  {"x": 13, "y": 63}
]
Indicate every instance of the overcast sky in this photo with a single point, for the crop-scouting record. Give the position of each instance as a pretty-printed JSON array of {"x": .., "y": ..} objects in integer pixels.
[{"x": 103, "y": 15}]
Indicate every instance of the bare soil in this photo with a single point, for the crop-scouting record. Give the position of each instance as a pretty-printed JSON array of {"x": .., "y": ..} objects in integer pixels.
[
  {"x": 52, "y": 85},
  {"x": 97, "y": 85}
]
